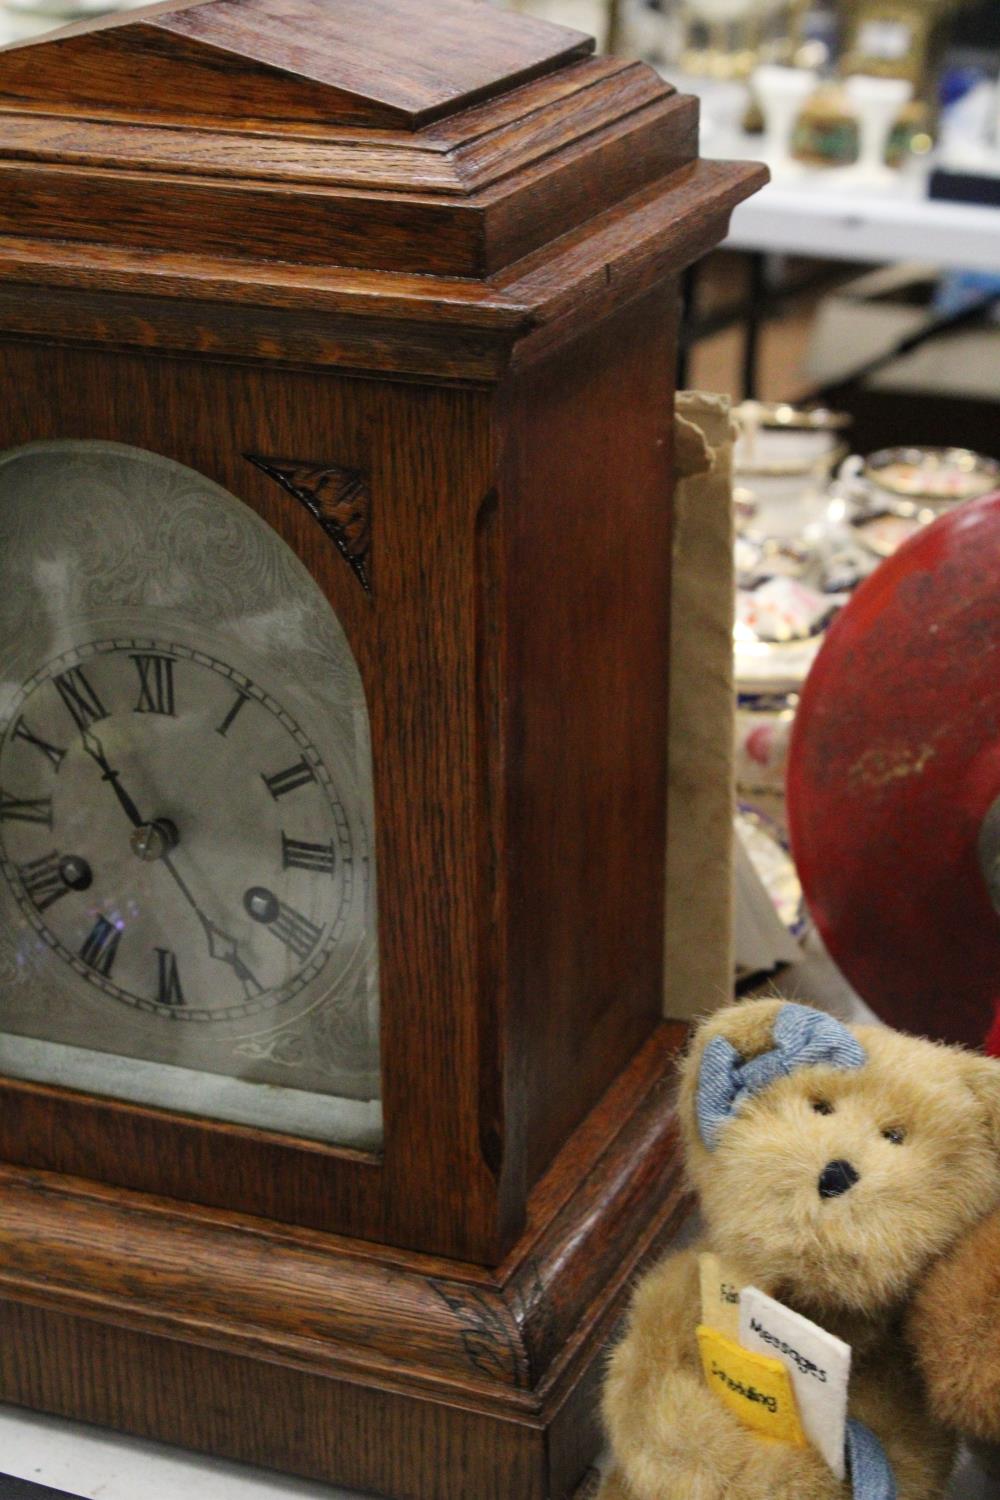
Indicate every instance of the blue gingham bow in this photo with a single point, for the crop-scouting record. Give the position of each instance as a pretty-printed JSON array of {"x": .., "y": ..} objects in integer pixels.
[{"x": 803, "y": 1038}]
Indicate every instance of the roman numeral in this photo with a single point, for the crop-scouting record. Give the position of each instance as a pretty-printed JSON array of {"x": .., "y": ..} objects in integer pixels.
[
  {"x": 169, "y": 990},
  {"x": 43, "y": 880},
  {"x": 25, "y": 810},
  {"x": 296, "y": 855},
  {"x": 100, "y": 948},
  {"x": 79, "y": 697},
  {"x": 156, "y": 684},
  {"x": 241, "y": 700},
  {"x": 55, "y": 755},
  {"x": 295, "y": 931},
  {"x": 283, "y": 782}
]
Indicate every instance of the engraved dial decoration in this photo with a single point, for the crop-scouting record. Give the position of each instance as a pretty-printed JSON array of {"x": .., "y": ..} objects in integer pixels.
[{"x": 186, "y": 877}]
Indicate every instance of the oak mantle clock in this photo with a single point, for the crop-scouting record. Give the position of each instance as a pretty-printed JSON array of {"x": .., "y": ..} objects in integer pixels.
[{"x": 336, "y": 341}]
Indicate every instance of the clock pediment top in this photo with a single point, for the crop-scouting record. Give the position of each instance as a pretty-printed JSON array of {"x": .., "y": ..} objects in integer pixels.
[
  {"x": 375, "y": 64},
  {"x": 447, "y": 148}
]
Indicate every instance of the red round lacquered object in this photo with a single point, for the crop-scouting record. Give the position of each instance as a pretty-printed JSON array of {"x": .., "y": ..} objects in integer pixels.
[{"x": 893, "y": 765}]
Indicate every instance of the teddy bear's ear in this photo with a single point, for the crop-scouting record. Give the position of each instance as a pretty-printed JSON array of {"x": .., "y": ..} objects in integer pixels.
[
  {"x": 982, "y": 1074},
  {"x": 747, "y": 1026}
]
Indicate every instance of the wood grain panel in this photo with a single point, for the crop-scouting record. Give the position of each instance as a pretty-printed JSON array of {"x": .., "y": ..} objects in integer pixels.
[
  {"x": 457, "y": 156},
  {"x": 302, "y": 226},
  {"x": 366, "y": 1437},
  {"x": 368, "y": 322},
  {"x": 587, "y": 496},
  {"x": 391, "y": 214}
]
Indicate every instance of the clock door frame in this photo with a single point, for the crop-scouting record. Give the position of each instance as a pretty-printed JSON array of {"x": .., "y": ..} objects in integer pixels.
[{"x": 418, "y": 450}]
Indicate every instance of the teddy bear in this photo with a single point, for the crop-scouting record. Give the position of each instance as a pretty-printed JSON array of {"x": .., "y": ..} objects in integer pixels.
[{"x": 834, "y": 1165}]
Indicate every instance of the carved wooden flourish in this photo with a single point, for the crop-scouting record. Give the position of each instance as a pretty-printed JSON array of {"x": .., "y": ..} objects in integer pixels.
[
  {"x": 486, "y": 1339},
  {"x": 535, "y": 1316},
  {"x": 338, "y": 497}
]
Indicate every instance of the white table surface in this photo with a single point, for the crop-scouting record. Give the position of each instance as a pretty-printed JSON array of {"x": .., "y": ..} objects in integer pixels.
[
  {"x": 816, "y": 215},
  {"x": 98, "y": 1465},
  {"x": 832, "y": 213}
]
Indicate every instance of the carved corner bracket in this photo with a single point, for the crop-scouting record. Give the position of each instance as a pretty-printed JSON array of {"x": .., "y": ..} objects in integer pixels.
[{"x": 340, "y": 500}]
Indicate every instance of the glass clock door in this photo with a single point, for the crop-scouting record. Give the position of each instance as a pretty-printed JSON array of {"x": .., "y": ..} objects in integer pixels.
[{"x": 187, "y": 894}]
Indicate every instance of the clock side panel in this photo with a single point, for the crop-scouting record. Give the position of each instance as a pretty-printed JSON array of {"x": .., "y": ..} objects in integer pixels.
[
  {"x": 587, "y": 498},
  {"x": 375, "y": 487}
]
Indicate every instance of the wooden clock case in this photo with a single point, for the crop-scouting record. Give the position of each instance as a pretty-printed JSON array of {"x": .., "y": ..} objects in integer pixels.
[{"x": 403, "y": 277}]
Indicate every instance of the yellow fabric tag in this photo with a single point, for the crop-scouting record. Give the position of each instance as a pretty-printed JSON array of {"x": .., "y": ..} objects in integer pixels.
[
  {"x": 720, "y": 1295},
  {"x": 756, "y": 1388}
]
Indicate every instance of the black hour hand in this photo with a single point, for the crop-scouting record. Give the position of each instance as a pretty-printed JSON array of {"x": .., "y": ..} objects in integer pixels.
[{"x": 95, "y": 750}]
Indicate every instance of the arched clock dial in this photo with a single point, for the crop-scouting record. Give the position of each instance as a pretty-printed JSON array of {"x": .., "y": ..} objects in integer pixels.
[
  {"x": 187, "y": 892},
  {"x": 170, "y": 832}
]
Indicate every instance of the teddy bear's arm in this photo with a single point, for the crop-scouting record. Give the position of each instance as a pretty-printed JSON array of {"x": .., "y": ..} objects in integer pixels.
[
  {"x": 954, "y": 1328},
  {"x": 672, "y": 1437}
]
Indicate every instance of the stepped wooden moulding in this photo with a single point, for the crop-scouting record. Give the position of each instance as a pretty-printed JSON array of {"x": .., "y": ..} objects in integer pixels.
[{"x": 342, "y": 329}]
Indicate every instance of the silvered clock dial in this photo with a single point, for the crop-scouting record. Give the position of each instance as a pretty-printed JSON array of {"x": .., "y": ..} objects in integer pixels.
[{"x": 186, "y": 883}]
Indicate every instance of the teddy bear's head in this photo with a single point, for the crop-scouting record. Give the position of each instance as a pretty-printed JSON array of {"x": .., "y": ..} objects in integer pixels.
[{"x": 833, "y": 1163}]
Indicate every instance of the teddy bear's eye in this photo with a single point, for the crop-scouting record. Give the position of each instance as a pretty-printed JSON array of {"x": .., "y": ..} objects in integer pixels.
[
  {"x": 895, "y": 1135},
  {"x": 822, "y": 1106}
]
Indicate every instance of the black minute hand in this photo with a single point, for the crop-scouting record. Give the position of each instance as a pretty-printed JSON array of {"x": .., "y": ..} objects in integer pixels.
[
  {"x": 220, "y": 944},
  {"x": 95, "y": 750}
]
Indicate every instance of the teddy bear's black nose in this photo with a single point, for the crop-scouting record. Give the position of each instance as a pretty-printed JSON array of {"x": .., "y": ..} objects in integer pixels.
[{"x": 837, "y": 1177}]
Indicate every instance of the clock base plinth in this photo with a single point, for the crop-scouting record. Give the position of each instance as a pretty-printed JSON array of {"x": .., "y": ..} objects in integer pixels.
[{"x": 338, "y": 1360}]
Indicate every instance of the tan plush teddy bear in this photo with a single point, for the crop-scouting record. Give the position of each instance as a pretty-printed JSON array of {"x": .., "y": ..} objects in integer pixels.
[{"x": 833, "y": 1166}]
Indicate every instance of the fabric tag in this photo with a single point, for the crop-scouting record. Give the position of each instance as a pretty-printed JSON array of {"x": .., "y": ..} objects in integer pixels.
[
  {"x": 818, "y": 1363},
  {"x": 755, "y": 1387},
  {"x": 720, "y": 1296}
]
